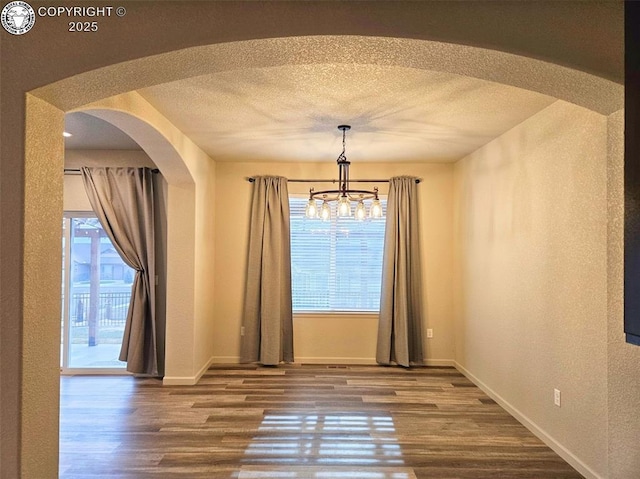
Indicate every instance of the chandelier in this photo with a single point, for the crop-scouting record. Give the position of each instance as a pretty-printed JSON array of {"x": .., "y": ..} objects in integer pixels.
[{"x": 344, "y": 196}]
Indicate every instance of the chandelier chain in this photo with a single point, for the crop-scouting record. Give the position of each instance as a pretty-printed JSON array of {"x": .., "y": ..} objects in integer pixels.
[{"x": 344, "y": 195}]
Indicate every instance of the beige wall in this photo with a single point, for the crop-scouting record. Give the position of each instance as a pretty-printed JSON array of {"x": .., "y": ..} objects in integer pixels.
[
  {"x": 74, "y": 195},
  {"x": 205, "y": 281},
  {"x": 531, "y": 272},
  {"x": 40, "y": 299},
  {"x": 624, "y": 359},
  {"x": 190, "y": 177},
  {"x": 343, "y": 338}
]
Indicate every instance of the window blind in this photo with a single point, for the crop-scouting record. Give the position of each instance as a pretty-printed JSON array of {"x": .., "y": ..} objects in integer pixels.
[{"x": 336, "y": 265}]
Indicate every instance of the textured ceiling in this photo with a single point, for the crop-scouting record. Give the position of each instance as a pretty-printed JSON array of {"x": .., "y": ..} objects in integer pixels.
[
  {"x": 290, "y": 113},
  {"x": 275, "y": 85}
]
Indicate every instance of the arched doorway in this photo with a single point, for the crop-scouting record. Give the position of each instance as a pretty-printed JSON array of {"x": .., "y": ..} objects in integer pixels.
[{"x": 45, "y": 106}]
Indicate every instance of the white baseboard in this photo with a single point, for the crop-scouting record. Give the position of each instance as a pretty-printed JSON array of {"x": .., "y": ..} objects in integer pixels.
[
  {"x": 187, "y": 380},
  {"x": 559, "y": 449},
  {"x": 301, "y": 360},
  {"x": 332, "y": 360},
  {"x": 324, "y": 360},
  {"x": 93, "y": 371},
  {"x": 441, "y": 362},
  {"x": 225, "y": 360}
]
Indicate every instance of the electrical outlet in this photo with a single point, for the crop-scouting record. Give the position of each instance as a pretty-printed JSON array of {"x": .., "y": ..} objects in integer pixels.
[
  {"x": 556, "y": 397},
  {"x": 241, "y": 330},
  {"x": 429, "y": 333}
]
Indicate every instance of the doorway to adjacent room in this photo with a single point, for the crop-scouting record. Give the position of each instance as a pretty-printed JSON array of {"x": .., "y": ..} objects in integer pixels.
[{"x": 96, "y": 289}]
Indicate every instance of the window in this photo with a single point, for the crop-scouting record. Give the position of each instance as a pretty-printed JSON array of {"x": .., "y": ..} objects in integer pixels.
[
  {"x": 336, "y": 265},
  {"x": 96, "y": 291}
]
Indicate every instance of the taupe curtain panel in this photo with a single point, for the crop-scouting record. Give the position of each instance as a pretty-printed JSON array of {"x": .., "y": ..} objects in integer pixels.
[
  {"x": 122, "y": 199},
  {"x": 268, "y": 310},
  {"x": 400, "y": 323}
]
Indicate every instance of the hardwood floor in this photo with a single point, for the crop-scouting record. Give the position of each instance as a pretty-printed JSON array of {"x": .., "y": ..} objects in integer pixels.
[{"x": 296, "y": 422}]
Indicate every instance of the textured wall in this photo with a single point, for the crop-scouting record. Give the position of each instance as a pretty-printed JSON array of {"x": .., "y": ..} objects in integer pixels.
[
  {"x": 532, "y": 271},
  {"x": 624, "y": 359},
  {"x": 41, "y": 314},
  {"x": 232, "y": 231}
]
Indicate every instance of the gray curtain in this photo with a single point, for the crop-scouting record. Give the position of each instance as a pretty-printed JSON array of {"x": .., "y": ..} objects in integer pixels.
[
  {"x": 268, "y": 310},
  {"x": 122, "y": 199},
  {"x": 400, "y": 323}
]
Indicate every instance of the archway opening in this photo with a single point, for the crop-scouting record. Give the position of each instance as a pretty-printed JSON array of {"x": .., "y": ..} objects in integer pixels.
[{"x": 47, "y": 103}]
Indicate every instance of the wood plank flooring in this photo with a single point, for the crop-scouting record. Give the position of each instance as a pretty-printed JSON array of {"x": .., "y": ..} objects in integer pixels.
[{"x": 296, "y": 422}]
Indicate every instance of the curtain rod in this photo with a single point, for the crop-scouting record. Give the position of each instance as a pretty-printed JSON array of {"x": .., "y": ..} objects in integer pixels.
[
  {"x": 76, "y": 171},
  {"x": 251, "y": 179}
]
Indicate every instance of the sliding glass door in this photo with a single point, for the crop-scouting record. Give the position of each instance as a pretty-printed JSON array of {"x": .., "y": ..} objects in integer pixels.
[{"x": 96, "y": 288}]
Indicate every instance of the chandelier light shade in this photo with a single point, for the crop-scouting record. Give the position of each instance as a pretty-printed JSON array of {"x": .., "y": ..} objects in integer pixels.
[
  {"x": 311, "y": 211},
  {"x": 361, "y": 211},
  {"x": 344, "y": 195}
]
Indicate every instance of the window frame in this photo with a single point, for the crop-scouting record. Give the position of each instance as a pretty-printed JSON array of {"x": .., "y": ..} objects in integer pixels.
[{"x": 341, "y": 312}]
